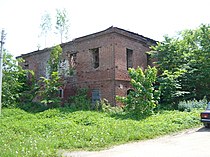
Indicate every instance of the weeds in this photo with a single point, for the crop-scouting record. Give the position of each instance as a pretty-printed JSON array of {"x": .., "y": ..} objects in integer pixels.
[{"x": 45, "y": 133}]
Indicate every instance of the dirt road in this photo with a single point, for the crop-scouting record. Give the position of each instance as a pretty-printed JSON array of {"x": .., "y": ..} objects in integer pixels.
[{"x": 190, "y": 143}]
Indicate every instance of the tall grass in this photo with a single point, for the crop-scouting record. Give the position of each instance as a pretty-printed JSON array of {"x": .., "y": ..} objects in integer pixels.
[{"x": 45, "y": 133}]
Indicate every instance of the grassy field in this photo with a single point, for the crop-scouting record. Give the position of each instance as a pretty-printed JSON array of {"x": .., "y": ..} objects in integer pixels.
[{"x": 45, "y": 133}]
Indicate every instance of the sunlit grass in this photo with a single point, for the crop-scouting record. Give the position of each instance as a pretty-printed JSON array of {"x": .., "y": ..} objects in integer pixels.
[{"x": 44, "y": 133}]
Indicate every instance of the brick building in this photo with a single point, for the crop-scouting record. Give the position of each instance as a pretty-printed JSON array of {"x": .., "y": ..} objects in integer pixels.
[{"x": 98, "y": 62}]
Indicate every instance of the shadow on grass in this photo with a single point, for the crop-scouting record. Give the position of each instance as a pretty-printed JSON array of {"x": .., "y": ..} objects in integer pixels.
[
  {"x": 129, "y": 115},
  {"x": 34, "y": 107}
]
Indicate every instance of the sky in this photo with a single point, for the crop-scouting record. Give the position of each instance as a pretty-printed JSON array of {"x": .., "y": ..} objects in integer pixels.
[{"x": 21, "y": 19}]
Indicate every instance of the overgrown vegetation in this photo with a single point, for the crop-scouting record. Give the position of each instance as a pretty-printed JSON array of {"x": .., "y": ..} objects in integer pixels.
[
  {"x": 184, "y": 62},
  {"x": 48, "y": 91},
  {"x": 143, "y": 98},
  {"x": 184, "y": 73},
  {"x": 80, "y": 101},
  {"x": 17, "y": 83},
  {"x": 45, "y": 133},
  {"x": 189, "y": 105},
  {"x": 53, "y": 62}
]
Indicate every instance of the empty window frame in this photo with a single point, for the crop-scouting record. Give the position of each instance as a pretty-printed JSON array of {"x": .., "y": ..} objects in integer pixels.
[
  {"x": 95, "y": 53},
  {"x": 60, "y": 93},
  {"x": 129, "y": 58},
  {"x": 73, "y": 59},
  {"x": 26, "y": 65}
]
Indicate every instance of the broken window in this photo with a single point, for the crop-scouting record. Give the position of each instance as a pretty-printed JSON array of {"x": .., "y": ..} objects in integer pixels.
[
  {"x": 73, "y": 58},
  {"x": 95, "y": 53},
  {"x": 26, "y": 65},
  {"x": 60, "y": 92},
  {"x": 129, "y": 58}
]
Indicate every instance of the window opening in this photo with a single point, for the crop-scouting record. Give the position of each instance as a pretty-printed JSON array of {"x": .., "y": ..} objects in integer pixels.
[
  {"x": 129, "y": 58},
  {"x": 129, "y": 90},
  {"x": 95, "y": 52},
  {"x": 96, "y": 95},
  {"x": 60, "y": 92}
]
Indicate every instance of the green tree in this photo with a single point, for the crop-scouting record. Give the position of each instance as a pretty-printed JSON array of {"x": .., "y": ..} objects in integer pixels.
[
  {"x": 49, "y": 90},
  {"x": 49, "y": 87},
  {"x": 15, "y": 82},
  {"x": 46, "y": 25},
  {"x": 188, "y": 57},
  {"x": 62, "y": 23},
  {"x": 143, "y": 98},
  {"x": 53, "y": 62}
]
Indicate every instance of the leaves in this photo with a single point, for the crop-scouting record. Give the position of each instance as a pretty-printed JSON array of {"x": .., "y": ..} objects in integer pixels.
[
  {"x": 53, "y": 62},
  {"x": 143, "y": 99},
  {"x": 14, "y": 81},
  {"x": 49, "y": 90},
  {"x": 184, "y": 62},
  {"x": 62, "y": 23}
]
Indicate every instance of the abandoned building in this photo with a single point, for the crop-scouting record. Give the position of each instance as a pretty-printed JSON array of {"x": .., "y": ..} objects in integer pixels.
[{"x": 98, "y": 62}]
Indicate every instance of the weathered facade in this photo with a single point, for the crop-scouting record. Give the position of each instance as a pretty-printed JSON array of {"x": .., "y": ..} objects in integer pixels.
[{"x": 99, "y": 62}]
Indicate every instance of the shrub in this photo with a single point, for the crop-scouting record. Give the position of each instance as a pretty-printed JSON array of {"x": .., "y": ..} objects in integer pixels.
[
  {"x": 80, "y": 101},
  {"x": 192, "y": 104},
  {"x": 49, "y": 91},
  {"x": 106, "y": 107},
  {"x": 143, "y": 99},
  {"x": 14, "y": 81},
  {"x": 32, "y": 107}
]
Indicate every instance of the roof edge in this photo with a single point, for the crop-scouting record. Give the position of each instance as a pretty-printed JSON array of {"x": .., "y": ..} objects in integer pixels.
[{"x": 111, "y": 29}]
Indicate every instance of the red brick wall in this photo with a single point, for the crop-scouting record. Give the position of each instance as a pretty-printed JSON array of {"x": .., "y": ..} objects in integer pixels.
[
  {"x": 139, "y": 59},
  {"x": 111, "y": 77},
  {"x": 101, "y": 78},
  {"x": 37, "y": 62}
]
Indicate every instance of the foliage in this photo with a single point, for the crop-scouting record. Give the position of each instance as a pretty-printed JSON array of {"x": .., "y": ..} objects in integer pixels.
[
  {"x": 106, "y": 107},
  {"x": 188, "y": 53},
  {"x": 144, "y": 97},
  {"x": 15, "y": 81},
  {"x": 192, "y": 104},
  {"x": 49, "y": 90},
  {"x": 46, "y": 133},
  {"x": 80, "y": 101},
  {"x": 46, "y": 25},
  {"x": 32, "y": 107},
  {"x": 62, "y": 23},
  {"x": 170, "y": 87},
  {"x": 53, "y": 62}
]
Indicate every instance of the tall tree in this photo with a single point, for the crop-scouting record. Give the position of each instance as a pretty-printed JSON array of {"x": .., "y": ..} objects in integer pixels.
[
  {"x": 46, "y": 25},
  {"x": 62, "y": 23},
  {"x": 188, "y": 57},
  {"x": 15, "y": 82}
]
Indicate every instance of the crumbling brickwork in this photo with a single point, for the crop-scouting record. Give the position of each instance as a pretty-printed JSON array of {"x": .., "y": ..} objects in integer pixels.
[{"x": 99, "y": 62}]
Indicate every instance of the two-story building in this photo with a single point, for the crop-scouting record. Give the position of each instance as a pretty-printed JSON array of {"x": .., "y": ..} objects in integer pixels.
[{"x": 99, "y": 61}]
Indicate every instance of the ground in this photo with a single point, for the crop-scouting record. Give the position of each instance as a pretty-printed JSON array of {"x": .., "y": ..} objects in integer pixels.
[{"x": 189, "y": 143}]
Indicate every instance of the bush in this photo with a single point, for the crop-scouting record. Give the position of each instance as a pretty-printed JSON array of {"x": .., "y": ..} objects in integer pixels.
[
  {"x": 80, "y": 101},
  {"x": 106, "y": 107},
  {"x": 49, "y": 90},
  {"x": 143, "y": 98},
  {"x": 32, "y": 107},
  {"x": 192, "y": 104}
]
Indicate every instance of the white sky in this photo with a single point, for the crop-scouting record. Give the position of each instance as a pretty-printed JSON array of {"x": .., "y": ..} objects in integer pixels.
[{"x": 151, "y": 18}]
